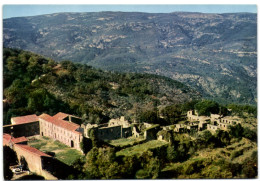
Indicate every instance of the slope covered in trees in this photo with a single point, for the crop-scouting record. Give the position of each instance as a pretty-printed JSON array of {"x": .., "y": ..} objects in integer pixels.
[{"x": 34, "y": 84}]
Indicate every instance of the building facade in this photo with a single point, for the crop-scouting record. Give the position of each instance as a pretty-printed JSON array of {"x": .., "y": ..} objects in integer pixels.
[{"x": 64, "y": 131}]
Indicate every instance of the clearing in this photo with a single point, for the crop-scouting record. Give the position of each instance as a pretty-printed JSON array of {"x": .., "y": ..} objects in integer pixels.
[{"x": 139, "y": 149}]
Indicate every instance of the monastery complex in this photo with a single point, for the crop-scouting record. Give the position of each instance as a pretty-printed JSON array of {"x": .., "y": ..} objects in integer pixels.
[{"x": 62, "y": 127}]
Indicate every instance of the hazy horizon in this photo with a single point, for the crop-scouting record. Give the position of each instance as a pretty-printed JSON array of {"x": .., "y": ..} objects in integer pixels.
[{"x": 10, "y": 11}]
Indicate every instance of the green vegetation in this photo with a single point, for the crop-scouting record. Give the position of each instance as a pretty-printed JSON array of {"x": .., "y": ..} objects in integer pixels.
[
  {"x": 216, "y": 163},
  {"x": 86, "y": 145},
  {"x": 60, "y": 151},
  {"x": 139, "y": 149},
  {"x": 205, "y": 107},
  {"x": 68, "y": 156},
  {"x": 34, "y": 84},
  {"x": 125, "y": 141},
  {"x": 214, "y": 53},
  {"x": 241, "y": 110}
]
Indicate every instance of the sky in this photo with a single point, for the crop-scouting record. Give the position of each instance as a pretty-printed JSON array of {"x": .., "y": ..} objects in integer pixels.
[{"x": 32, "y": 10}]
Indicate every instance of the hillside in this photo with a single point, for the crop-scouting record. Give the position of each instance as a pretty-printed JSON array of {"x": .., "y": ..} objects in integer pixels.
[
  {"x": 213, "y": 53},
  {"x": 34, "y": 84}
]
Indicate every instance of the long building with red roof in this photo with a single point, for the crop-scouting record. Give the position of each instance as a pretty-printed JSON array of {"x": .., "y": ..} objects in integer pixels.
[
  {"x": 24, "y": 119},
  {"x": 56, "y": 128}
]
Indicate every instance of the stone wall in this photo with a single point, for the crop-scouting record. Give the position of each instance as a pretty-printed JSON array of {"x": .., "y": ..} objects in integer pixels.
[
  {"x": 151, "y": 133},
  {"x": 19, "y": 130},
  {"x": 34, "y": 162},
  {"x": 109, "y": 133}
]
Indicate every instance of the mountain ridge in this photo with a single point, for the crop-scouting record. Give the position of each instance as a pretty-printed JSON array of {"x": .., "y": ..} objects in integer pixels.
[{"x": 214, "y": 53}]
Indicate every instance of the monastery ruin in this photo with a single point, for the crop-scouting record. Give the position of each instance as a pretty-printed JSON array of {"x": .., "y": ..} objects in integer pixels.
[{"x": 64, "y": 128}]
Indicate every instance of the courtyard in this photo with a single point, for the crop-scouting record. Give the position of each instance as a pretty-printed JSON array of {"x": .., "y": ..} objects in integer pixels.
[{"x": 55, "y": 148}]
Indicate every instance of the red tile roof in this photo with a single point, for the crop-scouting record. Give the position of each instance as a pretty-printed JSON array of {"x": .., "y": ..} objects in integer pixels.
[
  {"x": 19, "y": 140},
  {"x": 6, "y": 139},
  {"x": 24, "y": 119},
  {"x": 61, "y": 123},
  {"x": 60, "y": 115},
  {"x": 45, "y": 116},
  {"x": 32, "y": 150}
]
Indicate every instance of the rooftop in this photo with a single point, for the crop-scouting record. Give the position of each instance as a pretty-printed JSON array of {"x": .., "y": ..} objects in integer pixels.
[
  {"x": 60, "y": 115},
  {"x": 24, "y": 119},
  {"x": 59, "y": 122},
  {"x": 32, "y": 150},
  {"x": 19, "y": 140},
  {"x": 7, "y": 138}
]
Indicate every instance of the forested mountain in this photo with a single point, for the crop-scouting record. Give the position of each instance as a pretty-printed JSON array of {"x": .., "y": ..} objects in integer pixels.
[
  {"x": 34, "y": 84},
  {"x": 214, "y": 53}
]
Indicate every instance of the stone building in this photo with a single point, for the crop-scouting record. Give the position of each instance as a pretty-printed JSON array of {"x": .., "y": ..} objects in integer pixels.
[
  {"x": 135, "y": 131},
  {"x": 212, "y": 127},
  {"x": 35, "y": 160},
  {"x": 229, "y": 120},
  {"x": 151, "y": 132},
  {"x": 193, "y": 116},
  {"x": 67, "y": 117},
  {"x": 23, "y": 126},
  {"x": 114, "y": 129},
  {"x": 179, "y": 128},
  {"x": 66, "y": 132},
  {"x": 119, "y": 122},
  {"x": 24, "y": 119},
  {"x": 8, "y": 140},
  {"x": 87, "y": 128},
  {"x": 223, "y": 126},
  {"x": 203, "y": 125},
  {"x": 105, "y": 132}
]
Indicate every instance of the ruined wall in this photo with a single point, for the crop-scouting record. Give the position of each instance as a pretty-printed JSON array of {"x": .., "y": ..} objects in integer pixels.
[
  {"x": 19, "y": 130},
  {"x": 151, "y": 133},
  {"x": 126, "y": 132},
  {"x": 212, "y": 127},
  {"x": 109, "y": 133}
]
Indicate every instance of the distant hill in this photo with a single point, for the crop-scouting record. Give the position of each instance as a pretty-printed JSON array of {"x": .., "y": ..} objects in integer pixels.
[
  {"x": 213, "y": 53},
  {"x": 34, "y": 84}
]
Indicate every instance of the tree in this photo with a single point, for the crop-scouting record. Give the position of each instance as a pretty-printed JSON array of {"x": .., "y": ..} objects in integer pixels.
[
  {"x": 189, "y": 105},
  {"x": 205, "y": 107},
  {"x": 150, "y": 166},
  {"x": 172, "y": 113},
  {"x": 172, "y": 153},
  {"x": 177, "y": 152},
  {"x": 101, "y": 163},
  {"x": 236, "y": 131},
  {"x": 223, "y": 138},
  {"x": 250, "y": 134},
  {"x": 149, "y": 117},
  {"x": 86, "y": 145},
  {"x": 249, "y": 167},
  {"x": 93, "y": 137}
]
